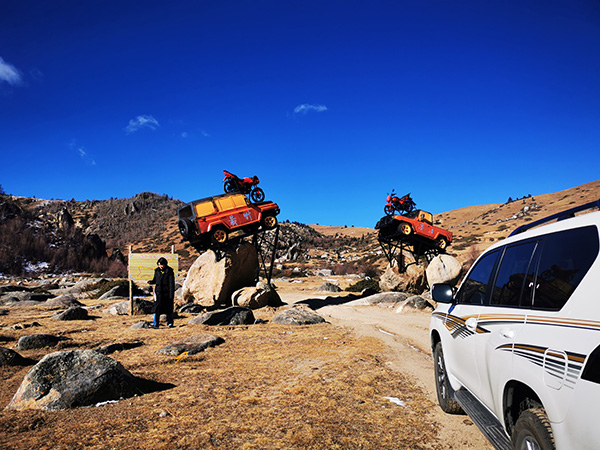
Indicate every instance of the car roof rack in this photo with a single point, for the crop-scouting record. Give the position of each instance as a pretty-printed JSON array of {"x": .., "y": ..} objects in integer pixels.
[{"x": 558, "y": 216}]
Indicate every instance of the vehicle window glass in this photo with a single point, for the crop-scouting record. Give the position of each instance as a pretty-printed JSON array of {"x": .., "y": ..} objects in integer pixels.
[
  {"x": 185, "y": 212},
  {"x": 513, "y": 274},
  {"x": 565, "y": 259},
  {"x": 474, "y": 289}
]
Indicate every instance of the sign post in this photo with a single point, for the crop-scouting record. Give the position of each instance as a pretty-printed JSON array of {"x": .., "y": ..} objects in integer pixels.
[{"x": 142, "y": 265}]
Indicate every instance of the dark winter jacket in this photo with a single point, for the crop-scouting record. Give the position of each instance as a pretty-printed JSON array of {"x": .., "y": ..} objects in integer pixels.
[{"x": 164, "y": 281}]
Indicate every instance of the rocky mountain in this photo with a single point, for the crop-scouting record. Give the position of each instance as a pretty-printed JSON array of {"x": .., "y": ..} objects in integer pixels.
[
  {"x": 477, "y": 227},
  {"x": 44, "y": 235}
]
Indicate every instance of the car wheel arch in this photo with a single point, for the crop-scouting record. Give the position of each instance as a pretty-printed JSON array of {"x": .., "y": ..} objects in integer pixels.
[
  {"x": 518, "y": 397},
  {"x": 435, "y": 338}
]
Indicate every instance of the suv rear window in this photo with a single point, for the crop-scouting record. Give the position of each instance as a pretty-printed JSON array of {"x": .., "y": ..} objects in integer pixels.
[{"x": 565, "y": 259}]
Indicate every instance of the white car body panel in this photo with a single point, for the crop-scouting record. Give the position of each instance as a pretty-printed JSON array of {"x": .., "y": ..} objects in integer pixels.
[{"x": 488, "y": 347}]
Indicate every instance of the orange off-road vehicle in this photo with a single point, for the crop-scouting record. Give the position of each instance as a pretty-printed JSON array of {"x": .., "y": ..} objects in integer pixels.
[
  {"x": 416, "y": 226},
  {"x": 214, "y": 220}
]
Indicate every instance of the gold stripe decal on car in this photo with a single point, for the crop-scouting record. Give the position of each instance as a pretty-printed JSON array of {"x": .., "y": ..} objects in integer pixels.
[
  {"x": 551, "y": 361},
  {"x": 457, "y": 325}
]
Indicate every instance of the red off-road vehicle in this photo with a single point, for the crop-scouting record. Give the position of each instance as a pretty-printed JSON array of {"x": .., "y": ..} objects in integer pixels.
[
  {"x": 214, "y": 220},
  {"x": 414, "y": 226}
]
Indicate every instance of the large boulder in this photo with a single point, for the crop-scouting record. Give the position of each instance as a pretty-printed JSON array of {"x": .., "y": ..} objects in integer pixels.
[
  {"x": 234, "y": 315},
  {"x": 386, "y": 299},
  {"x": 23, "y": 297},
  {"x": 191, "y": 308},
  {"x": 418, "y": 302},
  {"x": 256, "y": 297},
  {"x": 116, "y": 291},
  {"x": 297, "y": 316},
  {"x": 63, "y": 380},
  {"x": 73, "y": 313},
  {"x": 35, "y": 341},
  {"x": 191, "y": 345},
  {"x": 140, "y": 307},
  {"x": 411, "y": 280},
  {"x": 213, "y": 277},
  {"x": 9, "y": 357},
  {"x": 443, "y": 269},
  {"x": 63, "y": 301}
]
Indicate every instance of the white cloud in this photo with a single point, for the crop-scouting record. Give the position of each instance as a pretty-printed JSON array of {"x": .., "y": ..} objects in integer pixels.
[
  {"x": 305, "y": 108},
  {"x": 9, "y": 73},
  {"x": 85, "y": 157},
  {"x": 142, "y": 122},
  {"x": 184, "y": 134}
]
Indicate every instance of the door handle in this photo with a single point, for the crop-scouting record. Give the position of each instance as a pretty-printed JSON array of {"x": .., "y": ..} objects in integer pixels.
[
  {"x": 507, "y": 333},
  {"x": 471, "y": 324}
]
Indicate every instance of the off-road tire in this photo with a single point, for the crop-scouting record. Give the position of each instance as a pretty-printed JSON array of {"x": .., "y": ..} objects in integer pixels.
[
  {"x": 405, "y": 228},
  {"x": 186, "y": 228},
  {"x": 269, "y": 221},
  {"x": 533, "y": 431},
  {"x": 442, "y": 384},
  {"x": 257, "y": 195},
  {"x": 219, "y": 235}
]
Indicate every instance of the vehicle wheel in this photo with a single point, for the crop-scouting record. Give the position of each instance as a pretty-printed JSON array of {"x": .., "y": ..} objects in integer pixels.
[
  {"x": 441, "y": 243},
  {"x": 532, "y": 431},
  {"x": 186, "y": 228},
  {"x": 229, "y": 186},
  {"x": 269, "y": 222},
  {"x": 405, "y": 228},
  {"x": 219, "y": 235},
  {"x": 388, "y": 209},
  {"x": 442, "y": 385},
  {"x": 257, "y": 195}
]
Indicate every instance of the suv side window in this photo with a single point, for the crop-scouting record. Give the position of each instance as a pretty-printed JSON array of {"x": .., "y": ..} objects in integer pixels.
[
  {"x": 566, "y": 257},
  {"x": 475, "y": 288},
  {"x": 516, "y": 273}
]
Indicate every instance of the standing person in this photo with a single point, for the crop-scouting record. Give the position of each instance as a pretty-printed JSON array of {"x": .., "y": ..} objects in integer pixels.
[{"x": 164, "y": 292}]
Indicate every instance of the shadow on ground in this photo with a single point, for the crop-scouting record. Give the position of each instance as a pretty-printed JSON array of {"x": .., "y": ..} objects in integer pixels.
[{"x": 317, "y": 303}]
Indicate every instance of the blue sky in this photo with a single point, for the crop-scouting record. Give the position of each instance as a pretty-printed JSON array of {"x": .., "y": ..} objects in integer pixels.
[{"x": 330, "y": 103}]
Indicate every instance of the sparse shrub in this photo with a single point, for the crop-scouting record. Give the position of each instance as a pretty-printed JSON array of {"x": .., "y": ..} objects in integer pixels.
[
  {"x": 117, "y": 269},
  {"x": 368, "y": 269},
  {"x": 367, "y": 283},
  {"x": 472, "y": 256}
]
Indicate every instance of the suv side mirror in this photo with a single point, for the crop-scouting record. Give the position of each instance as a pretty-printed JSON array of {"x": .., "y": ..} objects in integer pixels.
[{"x": 442, "y": 292}]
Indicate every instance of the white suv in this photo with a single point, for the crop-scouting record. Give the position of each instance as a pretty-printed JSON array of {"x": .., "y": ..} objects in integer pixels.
[{"x": 517, "y": 346}]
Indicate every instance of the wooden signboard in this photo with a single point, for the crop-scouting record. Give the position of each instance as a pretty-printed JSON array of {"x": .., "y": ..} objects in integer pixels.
[{"x": 142, "y": 265}]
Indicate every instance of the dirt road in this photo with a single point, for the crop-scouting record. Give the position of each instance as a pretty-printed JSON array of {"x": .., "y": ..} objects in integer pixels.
[{"x": 407, "y": 339}]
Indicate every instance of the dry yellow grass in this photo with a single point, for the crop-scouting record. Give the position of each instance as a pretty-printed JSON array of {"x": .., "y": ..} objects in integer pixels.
[{"x": 267, "y": 387}]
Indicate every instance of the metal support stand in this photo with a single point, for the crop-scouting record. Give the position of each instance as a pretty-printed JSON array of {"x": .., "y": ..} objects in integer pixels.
[
  {"x": 394, "y": 248},
  {"x": 266, "y": 258}
]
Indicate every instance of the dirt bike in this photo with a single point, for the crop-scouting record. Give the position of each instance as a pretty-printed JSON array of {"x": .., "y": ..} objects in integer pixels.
[
  {"x": 401, "y": 204},
  {"x": 246, "y": 186}
]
